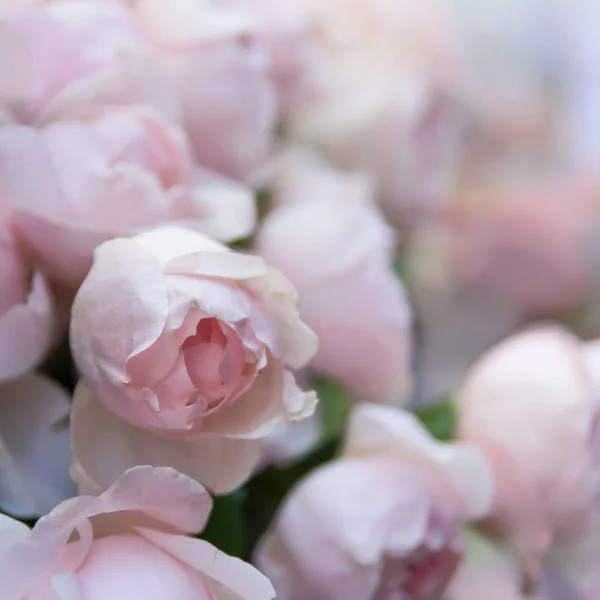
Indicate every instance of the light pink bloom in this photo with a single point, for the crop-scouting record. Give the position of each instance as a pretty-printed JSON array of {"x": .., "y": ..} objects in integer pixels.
[
  {"x": 381, "y": 522},
  {"x": 331, "y": 242},
  {"x": 377, "y": 96},
  {"x": 184, "y": 345},
  {"x": 128, "y": 543},
  {"x": 107, "y": 173},
  {"x": 527, "y": 238},
  {"x": 34, "y": 446},
  {"x": 219, "y": 62},
  {"x": 530, "y": 405},
  {"x": 513, "y": 248},
  {"x": 60, "y": 55},
  {"x": 27, "y": 318}
]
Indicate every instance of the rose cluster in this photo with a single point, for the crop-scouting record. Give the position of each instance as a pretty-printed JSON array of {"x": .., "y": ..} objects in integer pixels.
[{"x": 299, "y": 299}]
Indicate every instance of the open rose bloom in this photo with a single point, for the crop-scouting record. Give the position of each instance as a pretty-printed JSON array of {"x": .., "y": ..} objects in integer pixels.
[
  {"x": 130, "y": 542},
  {"x": 381, "y": 522},
  {"x": 182, "y": 346}
]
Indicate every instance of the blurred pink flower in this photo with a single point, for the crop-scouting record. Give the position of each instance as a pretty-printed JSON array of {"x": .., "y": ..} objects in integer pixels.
[
  {"x": 378, "y": 96},
  {"x": 513, "y": 248},
  {"x": 385, "y": 518},
  {"x": 130, "y": 542},
  {"x": 335, "y": 247},
  {"x": 529, "y": 239},
  {"x": 184, "y": 345},
  {"x": 34, "y": 446},
  {"x": 219, "y": 62},
  {"x": 106, "y": 173},
  {"x": 57, "y": 56},
  {"x": 27, "y": 316},
  {"x": 530, "y": 405}
]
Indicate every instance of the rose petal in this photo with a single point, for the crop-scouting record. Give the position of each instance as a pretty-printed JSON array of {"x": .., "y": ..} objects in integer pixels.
[
  {"x": 27, "y": 331},
  {"x": 137, "y": 288},
  {"x": 220, "y": 463},
  {"x": 229, "y": 576},
  {"x": 375, "y": 428},
  {"x": 159, "y": 494}
]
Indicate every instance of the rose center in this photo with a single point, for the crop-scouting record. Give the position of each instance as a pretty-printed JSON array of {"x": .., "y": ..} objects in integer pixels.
[{"x": 420, "y": 576}]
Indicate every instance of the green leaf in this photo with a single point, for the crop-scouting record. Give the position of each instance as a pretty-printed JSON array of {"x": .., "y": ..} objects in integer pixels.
[
  {"x": 225, "y": 528},
  {"x": 439, "y": 419},
  {"x": 335, "y": 403},
  {"x": 402, "y": 268}
]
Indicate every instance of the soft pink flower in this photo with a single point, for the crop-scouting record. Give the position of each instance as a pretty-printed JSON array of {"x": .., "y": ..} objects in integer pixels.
[
  {"x": 527, "y": 238},
  {"x": 530, "y": 405},
  {"x": 105, "y": 173},
  {"x": 336, "y": 249},
  {"x": 27, "y": 318},
  {"x": 184, "y": 345},
  {"x": 59, "y": 55},
  {"x": 381, "y": 522},
  {"x": 130, "y": 542},
  {"x": 378, "y": 96},
  {"x": 513, "y": 248},
  {"x": 219, "y": 62},
  {"x": 34, "y": 446}
]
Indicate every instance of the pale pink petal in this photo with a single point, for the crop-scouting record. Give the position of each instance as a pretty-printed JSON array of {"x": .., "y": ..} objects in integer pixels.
[
  {"x": 272, "y": 399},
  {"x": 290, "y": 441},
  {"x": 64, "y": 250},
  {"x": 374, "y": 429},
  {"x": 27, "y": 331},
  {"x": 299, "y": 342},
  {"x": 35, "y": 446},
  {"x": 11, "y": 532},
  {"x": 121, "y": 567},
  {"x": 217, "y": 207},
  {"x": 142, "y": 493},
  {"x": 187, "y": 22},
  {"x": 231, "y": 578},
  {"x": 218, "y": 462},
  {"x": 230, "y": 122},
  {"x": 169, "y": 243},
  {"x": 66, "y": 42},
  {"x": 136, "y": 78},
  {"x": 105, "y": 334},
  {"x": 67, "y": 587}
]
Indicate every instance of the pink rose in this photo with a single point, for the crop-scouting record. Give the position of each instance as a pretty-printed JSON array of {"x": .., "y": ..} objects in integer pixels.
[
  {"x": 27, "y": 317},
  {"x": 109, "y": 172},
  {"x": 512, "y": 249},
  {"x": 183, "y": 346},
  {"x": 69, "y": 53},
  {"x": 334, "y": 246},
  {"x": 530, "y": 405},
  {"x": 34, "y": 446},
  {"x": 130, "y": 542},
  {"x": 377, "y": 96},
  {"x": 219, "y": 62},
  {"x": 527, "y": 239},
  {"x": 385, "y": 518}
]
